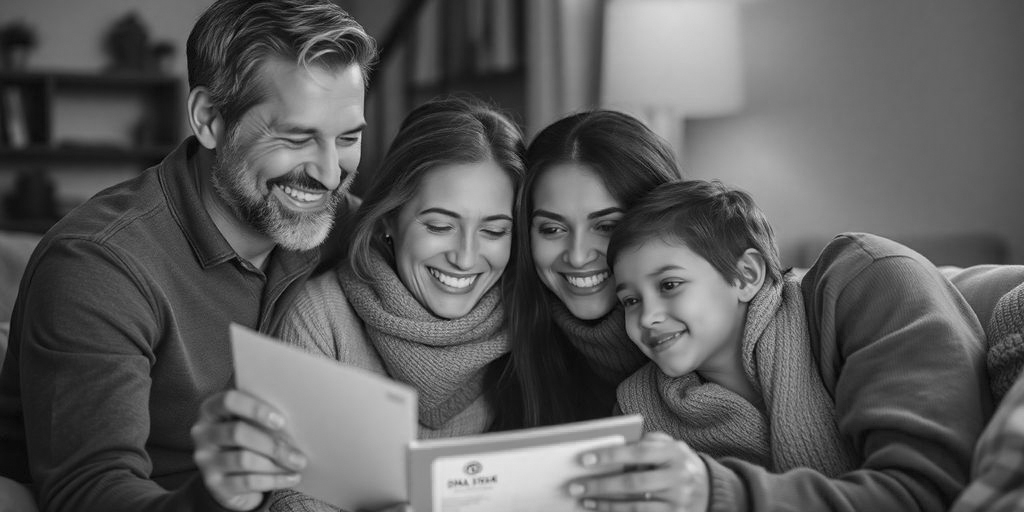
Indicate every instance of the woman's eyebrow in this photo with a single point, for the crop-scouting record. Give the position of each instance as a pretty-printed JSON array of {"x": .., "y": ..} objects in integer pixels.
[
  {"x": 606, "y": 211},
  {"x": 551, "y": 215}
]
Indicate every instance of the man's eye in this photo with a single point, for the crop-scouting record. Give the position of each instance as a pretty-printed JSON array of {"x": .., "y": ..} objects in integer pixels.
[{"x": 348, "y": 140}]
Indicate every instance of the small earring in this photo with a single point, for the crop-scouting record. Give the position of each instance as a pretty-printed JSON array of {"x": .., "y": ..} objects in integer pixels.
[{"x": 387, "y": 239}]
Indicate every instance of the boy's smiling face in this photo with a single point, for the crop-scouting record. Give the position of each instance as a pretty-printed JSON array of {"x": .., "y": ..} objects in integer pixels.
[{"x": 680, "y": 311}]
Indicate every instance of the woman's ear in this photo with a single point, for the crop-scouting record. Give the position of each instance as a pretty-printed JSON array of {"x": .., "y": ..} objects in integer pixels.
[
  {"x": 204, "y": 118},
  {"x": 751, "y": 269}
]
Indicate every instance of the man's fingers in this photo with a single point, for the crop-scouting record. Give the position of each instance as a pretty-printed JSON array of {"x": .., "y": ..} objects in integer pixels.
[
  {"x": 238, "y": 404},
  {"x": 238, "y": 484},
  {"x": 249, "y": 438}
]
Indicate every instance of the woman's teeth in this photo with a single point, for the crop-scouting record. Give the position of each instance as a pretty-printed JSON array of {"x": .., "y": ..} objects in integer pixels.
[
  {"x": 454, "y": 282},
  {"x": 587, "y": 282}
]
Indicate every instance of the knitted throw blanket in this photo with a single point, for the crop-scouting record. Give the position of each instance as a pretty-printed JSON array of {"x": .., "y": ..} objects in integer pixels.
[
  {"x": 800, "y": 429},
  {"x": 445, "y": 360},
  {"x": 603, "y": 343},
  {"x": 1006, "y": 342}
]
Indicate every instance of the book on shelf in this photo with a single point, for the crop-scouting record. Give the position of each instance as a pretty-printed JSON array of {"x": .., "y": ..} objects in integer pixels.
[
  {"x": 14, "y": 117},
  {"x": 358, "y": 431}
]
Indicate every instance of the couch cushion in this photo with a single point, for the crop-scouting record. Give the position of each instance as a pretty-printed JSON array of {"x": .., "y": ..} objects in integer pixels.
[{"x": 983, "y": 285}]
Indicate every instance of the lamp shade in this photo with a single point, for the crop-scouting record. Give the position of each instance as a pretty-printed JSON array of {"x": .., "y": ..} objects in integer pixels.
[{"x": 680, "y": 57}]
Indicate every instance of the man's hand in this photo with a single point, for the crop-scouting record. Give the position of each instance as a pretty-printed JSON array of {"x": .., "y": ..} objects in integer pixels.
[{"x": 242, "y": 450}]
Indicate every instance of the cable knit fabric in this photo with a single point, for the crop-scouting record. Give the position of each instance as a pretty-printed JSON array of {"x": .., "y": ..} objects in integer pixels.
[
  {"x": 799, "y": 429},
  {"x": 603, "y": 343},
  {"x": 445, "y": 360},
  {"x": 1006, "y": 342},
  {"x": 903, "y": 355}
]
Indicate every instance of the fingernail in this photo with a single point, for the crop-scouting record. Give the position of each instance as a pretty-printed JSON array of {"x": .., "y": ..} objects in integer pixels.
[
  {"x": 275, "y": 420},
  {"x": 576, "y": 489},
  {"x": 589, "y": 504},
  {"x": 588, "y": 459},
  {"x": 292, "y": 479}
]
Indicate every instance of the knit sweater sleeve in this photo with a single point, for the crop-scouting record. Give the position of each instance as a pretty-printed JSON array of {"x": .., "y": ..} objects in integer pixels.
[
  {"x": 308, "y": 324},
  {"x": 902, "y": 354},
  {"x": 322, "y": 322}
]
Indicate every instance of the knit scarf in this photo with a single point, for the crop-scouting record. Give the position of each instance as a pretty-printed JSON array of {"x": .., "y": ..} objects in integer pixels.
[
  {"x": 800, "y": 429},
  {"x": 445, "y": 360},
  {"x": 1005, "y": 356},
  {"x": 603, "y": 343}
]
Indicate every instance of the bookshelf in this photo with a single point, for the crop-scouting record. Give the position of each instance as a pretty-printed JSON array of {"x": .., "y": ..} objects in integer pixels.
[
  {"x": 473, "y": 46},
  {"x": 82, "y": 122}
]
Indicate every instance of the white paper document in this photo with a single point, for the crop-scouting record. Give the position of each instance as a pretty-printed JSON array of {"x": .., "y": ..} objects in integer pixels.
[
  {"x": 517, "y": 471},
  {"x": 354, "y": 426}
]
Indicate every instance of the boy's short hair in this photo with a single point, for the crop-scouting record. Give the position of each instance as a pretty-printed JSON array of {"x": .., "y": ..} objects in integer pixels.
[{"x": 716, "y": 222}]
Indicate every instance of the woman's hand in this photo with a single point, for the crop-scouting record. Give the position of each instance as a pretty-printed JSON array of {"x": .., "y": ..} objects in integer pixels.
[
  {"x": 242, "y": 450},
  {"x": 661, "y": 474}
]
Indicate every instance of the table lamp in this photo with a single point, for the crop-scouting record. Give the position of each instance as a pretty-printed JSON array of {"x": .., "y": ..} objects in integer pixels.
[{"x": 669, "y": 60}]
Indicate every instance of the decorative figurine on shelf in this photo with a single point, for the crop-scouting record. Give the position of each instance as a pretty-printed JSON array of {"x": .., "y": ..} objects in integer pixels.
[
  {"x": 16, "y": 40},
  {"x": 127, "y": 43}
]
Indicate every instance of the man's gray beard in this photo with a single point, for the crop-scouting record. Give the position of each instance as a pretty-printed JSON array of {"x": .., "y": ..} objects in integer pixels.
[{"x": 238, "y": 187}]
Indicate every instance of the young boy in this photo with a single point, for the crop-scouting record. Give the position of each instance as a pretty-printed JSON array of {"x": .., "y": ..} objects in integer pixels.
[{"x": 859, "y": 387}]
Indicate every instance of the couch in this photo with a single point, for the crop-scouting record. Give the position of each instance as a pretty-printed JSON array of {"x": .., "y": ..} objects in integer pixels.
[{"x": 15, "y": 249}]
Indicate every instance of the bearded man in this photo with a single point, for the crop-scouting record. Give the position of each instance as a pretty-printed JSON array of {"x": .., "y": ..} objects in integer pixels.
[{"x": 115, "y": 394}]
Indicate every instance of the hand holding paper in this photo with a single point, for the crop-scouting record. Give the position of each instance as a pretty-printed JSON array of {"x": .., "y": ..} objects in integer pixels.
[{"x": 242, "y": 451}]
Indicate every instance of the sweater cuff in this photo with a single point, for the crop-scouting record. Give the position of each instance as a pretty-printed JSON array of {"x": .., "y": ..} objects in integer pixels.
[
  {"x": 205, "y": 501},
  {"x": 726, "y": 488}
]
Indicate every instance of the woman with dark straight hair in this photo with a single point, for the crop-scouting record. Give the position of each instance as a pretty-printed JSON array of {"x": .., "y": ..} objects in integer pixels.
[{"x": 569, "y": 347}]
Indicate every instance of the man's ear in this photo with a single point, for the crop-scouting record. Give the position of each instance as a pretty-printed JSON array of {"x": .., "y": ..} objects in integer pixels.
[
  {"x": 751, "y": 269},
  {"x": 204, "y": 118}
]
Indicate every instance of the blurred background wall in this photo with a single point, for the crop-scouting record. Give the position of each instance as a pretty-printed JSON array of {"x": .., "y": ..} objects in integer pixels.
[{"x": 900, "y": 118}]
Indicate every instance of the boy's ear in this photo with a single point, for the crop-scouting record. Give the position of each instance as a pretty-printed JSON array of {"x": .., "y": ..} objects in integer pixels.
[
  {"x": 752, "y": 269},
  {"x": 204, "y": 118}
]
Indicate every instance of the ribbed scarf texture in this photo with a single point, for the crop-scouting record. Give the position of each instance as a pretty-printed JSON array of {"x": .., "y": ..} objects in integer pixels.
[
  {"x": 603, "y": 343},
  {"x": 800, "y": 429},
  {"x": 1005, "y": 356},
  {"x": 445, "y": 360}
]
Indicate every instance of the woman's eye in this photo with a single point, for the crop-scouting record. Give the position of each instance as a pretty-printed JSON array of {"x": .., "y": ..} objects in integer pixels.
[
  {"x": 606, "y": 227},
  {"x": 497, "y": 233},
  {"x": 548, "y": 230},
  {"x": 438, "y": 228}
]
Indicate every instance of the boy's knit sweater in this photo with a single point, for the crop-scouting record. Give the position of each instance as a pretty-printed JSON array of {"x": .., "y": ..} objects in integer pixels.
[{"x": 903, "y": 356}]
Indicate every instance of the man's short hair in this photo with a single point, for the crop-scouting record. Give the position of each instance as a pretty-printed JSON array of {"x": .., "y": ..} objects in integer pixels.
[{"x": 233, "y": 39}]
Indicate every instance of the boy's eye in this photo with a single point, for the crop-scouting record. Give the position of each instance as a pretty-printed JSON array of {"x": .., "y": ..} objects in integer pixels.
[
  {"x": 670, "y": 285},
  {"x": 628, "y": 301}
]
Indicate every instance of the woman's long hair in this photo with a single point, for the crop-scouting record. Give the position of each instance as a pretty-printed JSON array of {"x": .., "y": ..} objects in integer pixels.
[{"x": 547, "y": 381}]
